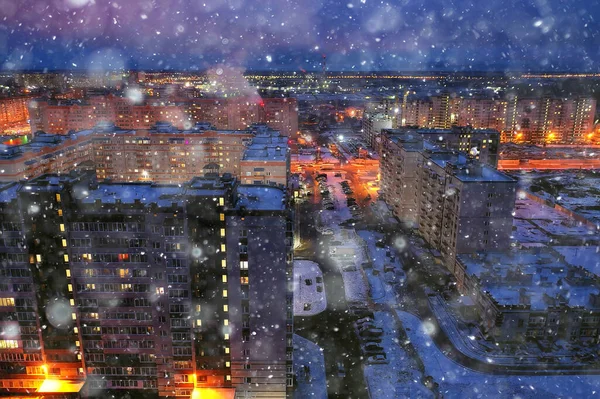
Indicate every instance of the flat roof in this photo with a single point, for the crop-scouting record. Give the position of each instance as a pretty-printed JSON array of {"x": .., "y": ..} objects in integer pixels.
[
  {"x": 539, "y": 277},
  {"x": 260, "y": 198},
  {"x": 467, "y": 170}
]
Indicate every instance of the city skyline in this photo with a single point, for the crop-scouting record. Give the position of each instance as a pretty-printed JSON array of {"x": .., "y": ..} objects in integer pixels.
[{"x": 356, "y": 35}]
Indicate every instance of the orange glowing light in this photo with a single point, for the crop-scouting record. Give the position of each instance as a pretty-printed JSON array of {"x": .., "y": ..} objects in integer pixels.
[
  {"x": 60, "y": 386},
  {"x": 213, "y": 393}
]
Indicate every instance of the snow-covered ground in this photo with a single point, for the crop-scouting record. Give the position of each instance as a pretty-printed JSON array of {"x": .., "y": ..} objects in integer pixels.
[
  {"x": 400, "y": 378},
  {"x": 456, "y": 381},
  {"x": 381, "y": 289},
  {"x": 309, "y": 367},
  {"x": 307, "y": 300}
]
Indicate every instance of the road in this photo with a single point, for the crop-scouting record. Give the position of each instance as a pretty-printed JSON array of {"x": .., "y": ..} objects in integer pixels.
[{"x": 549, "y": 164}]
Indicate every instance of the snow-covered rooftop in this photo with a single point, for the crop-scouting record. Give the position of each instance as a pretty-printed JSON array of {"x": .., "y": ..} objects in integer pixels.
[
  {"x": 538, "y": 277},
  {"x": 260, "y": 198}
]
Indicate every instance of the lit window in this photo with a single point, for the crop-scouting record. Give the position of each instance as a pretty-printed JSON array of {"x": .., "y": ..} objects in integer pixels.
[
  {"x": 9, "y": 344},
  {"x": 73, "y": 316},
  {"x": 66, "y": 257},
  {"x": 62, "y": 227},
  {"x": 226, "y": 351},
  {"x": 222, "y": 217},
  {"x": 64, "y": 243},
  {"x": 224, "y": 278},
  {"x": 244, "y": 265},
  {"x": 60, "y": 212},
  {"x": 225, "y": 322},
  {"x": 227, "y": 364},
  {"x": 70, "y": 286},
  {"x": 57, "y": 197},
  {"x": 68, "y": 272},
  {"x": 222, "y": 232},
  {"x": 224, "y": 293},
  {"x": 222, "y": 247},
  {"x": 75, "y": 330},
  {"x": 198, "y": 322},
  {"x": 38, "y": 258},
  {"x": 244, "y": 280},
  {"x": 228, "y": 378},
  {"x": 225, "y": 308},
  {"x": 222, "y": 201},
  {"x": 72, "y": 302},
  {"x": 223, "y": 263}
]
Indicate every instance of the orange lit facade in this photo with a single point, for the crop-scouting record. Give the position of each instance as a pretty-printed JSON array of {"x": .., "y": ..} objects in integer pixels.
[
  {"x": 547, "y": 120},
  {"x": 163, "y": 154},
  {"x": 14, "y": 114},
  {"x": 223, "y": 113}
]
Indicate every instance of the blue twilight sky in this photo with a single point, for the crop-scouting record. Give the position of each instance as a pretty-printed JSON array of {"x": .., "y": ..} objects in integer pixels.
[{"x": 538, "y": 35}]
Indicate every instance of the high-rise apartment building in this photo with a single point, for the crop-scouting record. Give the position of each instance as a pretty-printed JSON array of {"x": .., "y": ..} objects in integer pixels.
[
  {"x": 372, "y": 125},
  {"x": 464, "y": 205},
  {"x": 543, "y": 120},
  {"x": 14, "y": 113},
  {"x": 163, "y": 154},
  {"x": 458, "y": 203},
  {"x": 174, "y": 289},
  {"x": 237, "y": 113}
]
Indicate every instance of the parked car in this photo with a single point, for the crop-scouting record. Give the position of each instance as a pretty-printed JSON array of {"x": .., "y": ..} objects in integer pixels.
[
  {"x": 319, "y": 288},
  {"x": 372, "y": 349},
  {"x": 329, "y": 207},
  {"x": 327, "y": 232},
  {"x": 370, "y": 340},
  {"x": 341, "y": 371},
  {"x": 364, "y": 320},
  {"x": 308, "y": 281},
  {"x": 351, "y": 268},
  {"x": 338, "y": 175},
  {"x": 377, "y": 359},
  {"x": 370, "y": 332}
]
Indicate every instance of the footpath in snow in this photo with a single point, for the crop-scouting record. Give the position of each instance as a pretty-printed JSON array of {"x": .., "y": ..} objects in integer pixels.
[{"x": 400, "y": 378}]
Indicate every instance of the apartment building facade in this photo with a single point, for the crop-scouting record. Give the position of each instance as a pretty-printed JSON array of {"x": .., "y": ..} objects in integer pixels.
[
  {"x": 137, "y": 286},
  {"x": 458, "y": 203},
  {"x": 464, "y": 206},
  {"x": 237, "y": 113},
  {"x": 14, "y": 113},
  {"x": 162, "y": 154},
  {"x": 544, "y": 120}
]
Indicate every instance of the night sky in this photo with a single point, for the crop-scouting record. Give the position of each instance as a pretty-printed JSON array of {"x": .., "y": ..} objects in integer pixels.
[{"x": 536, "y": 35}]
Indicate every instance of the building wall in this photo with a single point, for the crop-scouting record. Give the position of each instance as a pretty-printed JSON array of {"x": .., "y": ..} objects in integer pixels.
[
  {"x": 457, "y": 216},
  {"x": 261, "y": 333},
  {"x": 141, "y": 295},
  {"x": 233, "y": 114},
  {"x": 400, "y": 180},
  {"x": 521, "y": 120},
  {"x": 13, "y": 112},
  {"x": 264, "y": 172}
]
